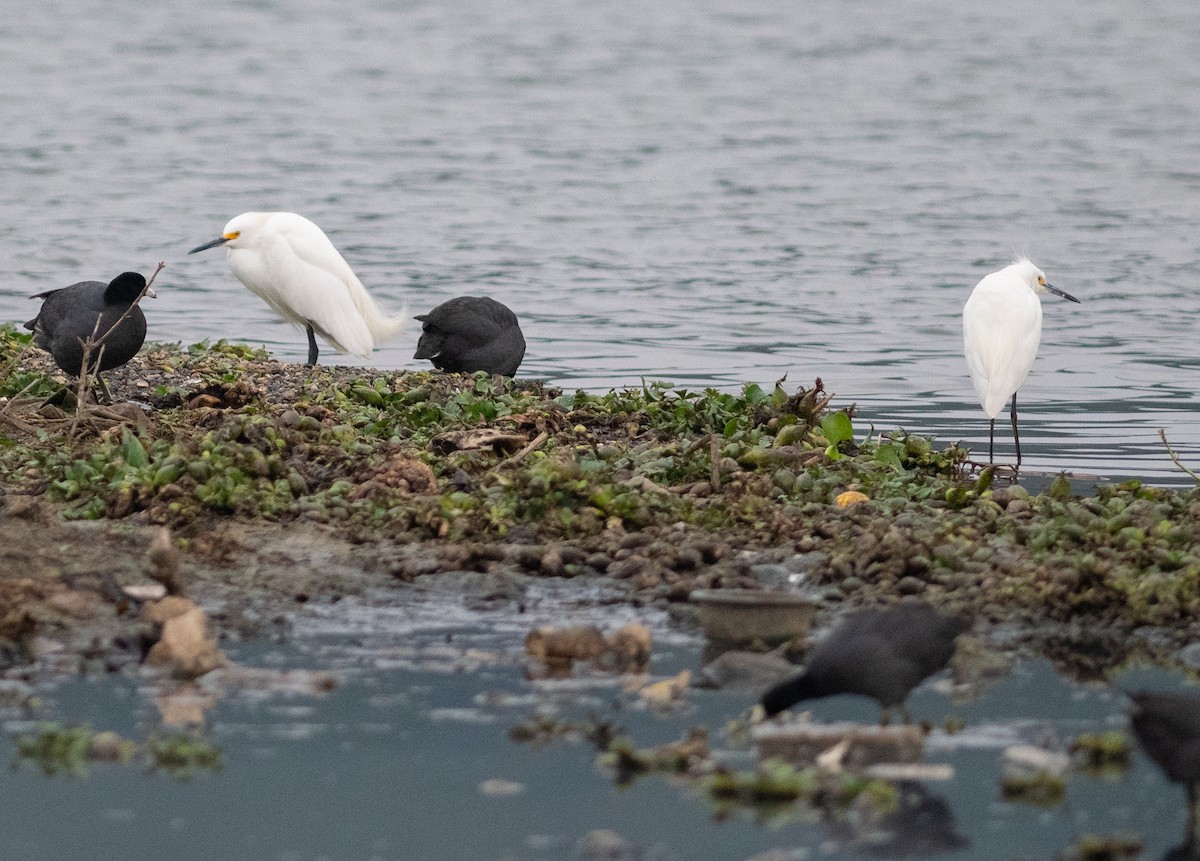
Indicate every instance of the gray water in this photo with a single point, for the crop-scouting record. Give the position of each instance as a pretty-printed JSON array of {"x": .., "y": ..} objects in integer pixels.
[
  {"x": 391, "y": 764},
  {"x": 703, "y": 192}
]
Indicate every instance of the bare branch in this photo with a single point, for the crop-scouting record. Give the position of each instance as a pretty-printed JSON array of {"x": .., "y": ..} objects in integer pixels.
[{"x": 1175, "y": 458}]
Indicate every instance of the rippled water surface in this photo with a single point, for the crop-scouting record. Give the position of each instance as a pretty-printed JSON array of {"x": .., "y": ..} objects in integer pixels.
[{"x": 702, "y": 192}]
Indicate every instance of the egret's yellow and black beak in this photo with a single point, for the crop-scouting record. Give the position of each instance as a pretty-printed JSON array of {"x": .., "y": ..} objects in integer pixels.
[{"x": 220, "y": 240}]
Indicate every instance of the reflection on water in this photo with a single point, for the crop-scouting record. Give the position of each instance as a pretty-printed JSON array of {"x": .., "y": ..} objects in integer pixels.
[
  {"x": 419, "y": 730},
  {"x": 687, "y": 193}
]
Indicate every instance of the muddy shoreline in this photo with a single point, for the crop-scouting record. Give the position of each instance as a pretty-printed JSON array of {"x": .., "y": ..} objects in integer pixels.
[{"x": 282, "y": 485}]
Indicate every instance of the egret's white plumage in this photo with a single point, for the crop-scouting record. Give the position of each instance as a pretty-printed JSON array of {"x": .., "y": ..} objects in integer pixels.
[
  {"x": 289, "y": 262},
  {"x": 1002, "y": 325}
]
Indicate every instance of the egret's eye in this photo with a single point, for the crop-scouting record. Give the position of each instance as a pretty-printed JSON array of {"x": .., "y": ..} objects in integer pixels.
[
  {"x": 1042, "y": 280},
  {"x": 234, "y": 235}
]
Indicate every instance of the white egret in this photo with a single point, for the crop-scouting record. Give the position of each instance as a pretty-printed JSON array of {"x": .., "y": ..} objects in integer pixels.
[
  {"x": 1002, "y": 324},
  {"x": 71, "y": 315},
  {"x": 471, "y": 333},
  {"x": 289, "y": 263}
]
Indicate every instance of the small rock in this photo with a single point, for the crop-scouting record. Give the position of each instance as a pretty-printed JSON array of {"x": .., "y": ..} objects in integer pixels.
[
  {"x": 552, "y": 564},
  {"x": 663, "y": 693},
  {"x": 73, "y": 603},
  {"x": 22, "y": 507},
  {"x": 603, "y": 844},
  {"x": 564, "y": 645},
  {"x": 910, "y": 586},
  {"x": 184, "y": 645},
  {"x": 628, "y": 567},
  {"x": 499, "y": 788},
  {"x": 746, "y": 672},
  {"x": 630, "y": 646},
  {"x": 1024, "y": 760},
  {"x": 1189, "y": 655}
]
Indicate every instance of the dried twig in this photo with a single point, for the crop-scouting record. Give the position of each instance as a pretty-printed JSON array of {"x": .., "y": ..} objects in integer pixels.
[
  {"x": 714, "y": 456},
  {"x": 535, "y": 443},
  {"x": 1175, "y": 458}
]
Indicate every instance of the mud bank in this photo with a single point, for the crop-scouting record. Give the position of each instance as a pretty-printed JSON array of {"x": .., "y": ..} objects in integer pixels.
[{"x": 282, "y": 484}]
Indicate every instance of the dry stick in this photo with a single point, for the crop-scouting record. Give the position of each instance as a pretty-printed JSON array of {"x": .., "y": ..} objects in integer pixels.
[
  {"x": 714, "y": 456},
  {"x": 519, "y": 456},
  {"x": 1175, "y": 458}
]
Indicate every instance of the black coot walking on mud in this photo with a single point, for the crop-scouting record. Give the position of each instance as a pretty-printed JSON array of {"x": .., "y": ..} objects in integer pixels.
[
  {"x": 69, "y": 315},
  {"x": 469, "y": 334},
  {"x": 882, "y": 654}
]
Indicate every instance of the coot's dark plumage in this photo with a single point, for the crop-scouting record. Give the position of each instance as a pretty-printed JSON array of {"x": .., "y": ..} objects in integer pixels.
[
  {"x": 471, "y": 333},
  {"x": 1168, "y": 728},
  {"x": 68, "y": 318},
  {"x": 882, "y": 654}
]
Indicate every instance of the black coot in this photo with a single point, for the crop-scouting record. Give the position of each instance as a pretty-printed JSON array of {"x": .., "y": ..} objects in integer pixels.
[
  {"x": 1168, "y": 728},
  {"x": 882, "y": 654},
  {"x": 471, "y": 333},
  {"x": 68, "y": 317}
]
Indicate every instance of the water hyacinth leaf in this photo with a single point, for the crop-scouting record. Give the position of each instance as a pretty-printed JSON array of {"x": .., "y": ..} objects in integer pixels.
[
  {"x": 889, "y": 455},
  {"x": 135, "y": 452},
  {"x": 836, "y": 428},
  {"x": 754, "y": 394}
]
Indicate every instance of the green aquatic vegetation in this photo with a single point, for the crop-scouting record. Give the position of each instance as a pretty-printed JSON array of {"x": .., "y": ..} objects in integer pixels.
[
  {"x": 1102, "y": 753},
  {"x": 221, "y": 347},
  {"x": 56, "y": 749},
  {"x": 761, "y": 467},
  {"x": 1040, "y": 789},
  {"x": 183, "y": 757},
  {"x": 779, "y": 783},
  {"x": 1096, "y": 847}
]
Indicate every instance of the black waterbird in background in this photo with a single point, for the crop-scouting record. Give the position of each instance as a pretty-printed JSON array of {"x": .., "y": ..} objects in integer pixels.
[
  {"x": 1168, "y": 728},
  {"x": 69, "y": 316},
  {"x": 469, "y": 334},
  {"x": 882, "y": 654}
]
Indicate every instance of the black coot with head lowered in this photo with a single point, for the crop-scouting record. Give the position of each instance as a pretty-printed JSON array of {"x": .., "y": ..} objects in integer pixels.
[
  {"x": 108, "y": 312},
  {"x": 882, "y": 654},
  {"x": 469, "y": 334}
]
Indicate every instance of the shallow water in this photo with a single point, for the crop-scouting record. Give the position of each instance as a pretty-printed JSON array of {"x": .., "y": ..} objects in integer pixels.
[
  {"x": 690, "y": 192},
  {"x": 391, "y": 764}
]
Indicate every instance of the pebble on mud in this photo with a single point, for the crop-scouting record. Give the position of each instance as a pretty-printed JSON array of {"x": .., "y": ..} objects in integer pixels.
[
  {"x": 183, "y": 645},
  {"x": 563, "y": 646}
]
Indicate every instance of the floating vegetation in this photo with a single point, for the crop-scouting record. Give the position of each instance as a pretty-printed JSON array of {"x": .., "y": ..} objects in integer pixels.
[
  {"x": 1094, "y": 847},
  {"x": 775, "y": 783},
  {"x": 687, "y": 756},
  {"x": 183, "y": 756},
  {"x": 1106, "y": 753},
  {"x": 1041, "y": 789},
  {"x": 72, "y": 750}
]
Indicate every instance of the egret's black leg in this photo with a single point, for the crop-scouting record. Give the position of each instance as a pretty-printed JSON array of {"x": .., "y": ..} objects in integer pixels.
[
  {"x": 1016, "y": 436},
  {"x": 991, "y": 441},
  {"x": 312, "y": 345}
]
